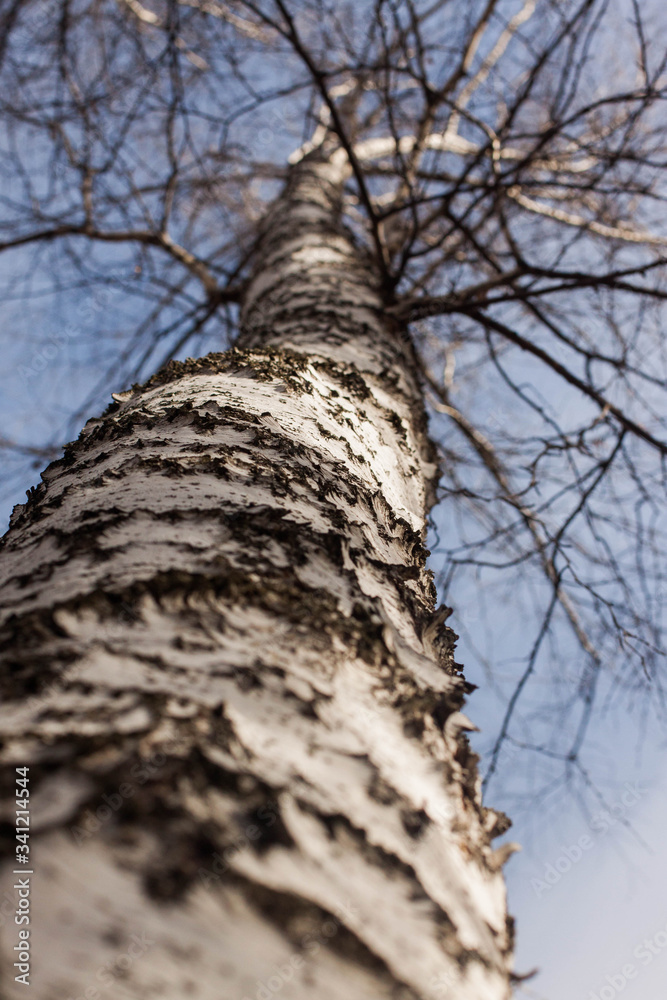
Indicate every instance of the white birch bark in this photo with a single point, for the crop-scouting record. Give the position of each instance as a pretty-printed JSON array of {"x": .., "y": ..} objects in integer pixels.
[{"x": 223, "y": 668}]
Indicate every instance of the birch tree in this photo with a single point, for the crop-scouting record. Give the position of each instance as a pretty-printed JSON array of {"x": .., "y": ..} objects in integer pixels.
[{"x": 224, "y": 662}]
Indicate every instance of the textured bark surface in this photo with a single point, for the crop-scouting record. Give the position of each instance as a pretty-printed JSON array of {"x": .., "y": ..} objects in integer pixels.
[{"x": 222, "y": 665}]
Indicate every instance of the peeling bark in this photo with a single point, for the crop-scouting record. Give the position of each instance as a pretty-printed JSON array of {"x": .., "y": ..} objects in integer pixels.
[{"x": 223, "y": 668}]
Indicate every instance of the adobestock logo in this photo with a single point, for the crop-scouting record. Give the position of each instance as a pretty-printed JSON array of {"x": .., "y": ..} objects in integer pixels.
[
  {"x": 645, "y": 953},
  {"x": 600, "y": 823},
  {"x": 310, "y": 945},
  {"x": 114, "y": 972}
]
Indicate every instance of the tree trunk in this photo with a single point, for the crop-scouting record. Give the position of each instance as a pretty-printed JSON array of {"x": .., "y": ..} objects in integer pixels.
[{"x": 223, "y": 668}]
